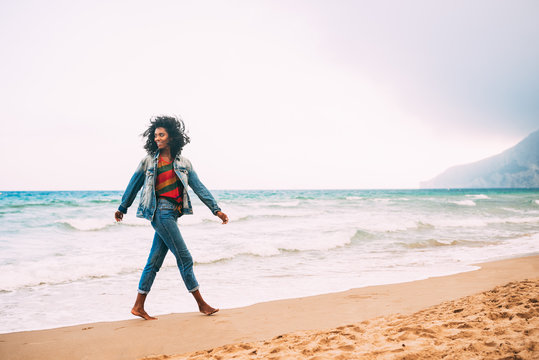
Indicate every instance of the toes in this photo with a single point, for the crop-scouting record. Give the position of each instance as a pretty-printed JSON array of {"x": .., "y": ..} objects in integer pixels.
[{"x": 213, "y": 311}]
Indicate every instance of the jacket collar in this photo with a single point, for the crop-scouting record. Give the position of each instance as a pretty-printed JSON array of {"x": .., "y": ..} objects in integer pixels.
[{"x": 156, "y": 156}]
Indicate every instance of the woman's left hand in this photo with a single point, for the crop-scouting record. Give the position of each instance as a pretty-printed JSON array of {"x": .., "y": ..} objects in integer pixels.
[{"x": 221, "y": 215}]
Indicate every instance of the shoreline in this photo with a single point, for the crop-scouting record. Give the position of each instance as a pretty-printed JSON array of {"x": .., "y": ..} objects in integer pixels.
[{"x": 190, "y": 332}]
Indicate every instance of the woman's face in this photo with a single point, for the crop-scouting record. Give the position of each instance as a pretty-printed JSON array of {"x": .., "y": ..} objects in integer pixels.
[{"x": 161, "y": 138}]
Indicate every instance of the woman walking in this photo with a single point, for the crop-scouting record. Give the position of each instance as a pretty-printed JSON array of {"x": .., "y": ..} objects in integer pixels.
[{"x": 164, "y": 175}]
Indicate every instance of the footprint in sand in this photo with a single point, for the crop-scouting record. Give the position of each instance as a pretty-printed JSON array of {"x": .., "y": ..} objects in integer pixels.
[{"x": 346, "y": 347}]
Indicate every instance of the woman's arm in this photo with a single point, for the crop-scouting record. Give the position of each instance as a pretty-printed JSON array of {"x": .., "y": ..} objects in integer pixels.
[
  {"x": 204, "y": 195},
  {"x": 202, "y": 192},
  {"x": 131, "y": 191}
]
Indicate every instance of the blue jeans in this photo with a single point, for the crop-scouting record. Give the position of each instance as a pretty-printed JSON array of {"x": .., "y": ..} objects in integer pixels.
[{"x": 167, "y": 237}]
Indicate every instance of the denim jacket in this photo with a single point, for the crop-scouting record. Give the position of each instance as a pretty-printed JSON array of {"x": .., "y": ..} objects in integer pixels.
[{"x": 145, "y": 177}]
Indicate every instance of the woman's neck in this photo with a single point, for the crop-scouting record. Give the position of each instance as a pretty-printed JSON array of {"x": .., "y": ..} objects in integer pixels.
[{"x": 165, "y": 153}]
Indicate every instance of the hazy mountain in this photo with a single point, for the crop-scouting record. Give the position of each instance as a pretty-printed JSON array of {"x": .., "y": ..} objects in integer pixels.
[{"x": 517, "y": 167}]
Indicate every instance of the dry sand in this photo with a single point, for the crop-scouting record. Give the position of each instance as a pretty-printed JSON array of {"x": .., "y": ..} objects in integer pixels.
[
  {"x": 426, "y": 319},
  {"x": 502, "y": 323}
]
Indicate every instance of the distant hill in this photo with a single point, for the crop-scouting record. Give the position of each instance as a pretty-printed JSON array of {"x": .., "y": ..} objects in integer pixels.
[{"x": 517, "y": 167}]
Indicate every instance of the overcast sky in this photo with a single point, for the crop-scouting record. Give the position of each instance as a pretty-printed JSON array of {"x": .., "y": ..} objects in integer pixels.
[{"x": 275, "y": 94}]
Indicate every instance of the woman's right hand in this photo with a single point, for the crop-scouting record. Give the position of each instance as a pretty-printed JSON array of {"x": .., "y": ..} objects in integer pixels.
[{"x": 118, "y": 215}]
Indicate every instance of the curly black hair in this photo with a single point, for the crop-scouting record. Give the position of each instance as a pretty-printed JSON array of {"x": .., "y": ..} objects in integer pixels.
[{"x": 176, "y": 132}]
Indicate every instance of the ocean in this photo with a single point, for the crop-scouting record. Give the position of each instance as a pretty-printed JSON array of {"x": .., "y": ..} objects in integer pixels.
[{"x": 65, "y": 261}]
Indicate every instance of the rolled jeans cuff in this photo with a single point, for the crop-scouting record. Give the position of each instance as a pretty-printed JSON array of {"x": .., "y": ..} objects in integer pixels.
[
  {"x": 142, "y": 292},
  {"x": 194, "y": 289}
]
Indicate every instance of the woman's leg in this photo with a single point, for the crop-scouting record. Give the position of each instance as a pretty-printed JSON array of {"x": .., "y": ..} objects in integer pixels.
[
  {"x": 153, "y": 264},
  {"x": 166, "y": 226},
  {"x": 203, "y": 307},
  {"x": 138, "y": 308}
]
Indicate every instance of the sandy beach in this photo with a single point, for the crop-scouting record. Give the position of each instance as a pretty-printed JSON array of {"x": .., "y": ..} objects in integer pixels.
[
  {"x": 501, "y": 323},
  {"x": 489, "y": 313}
]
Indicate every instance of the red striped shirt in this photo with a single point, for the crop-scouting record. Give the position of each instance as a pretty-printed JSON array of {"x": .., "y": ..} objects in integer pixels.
[{"x": 168, "y": 185}]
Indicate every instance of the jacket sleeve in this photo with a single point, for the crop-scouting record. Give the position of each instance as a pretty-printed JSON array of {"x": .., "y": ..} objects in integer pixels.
[
  {"x": 201, "y": 191},
  {"x": 133, "y": 187}
]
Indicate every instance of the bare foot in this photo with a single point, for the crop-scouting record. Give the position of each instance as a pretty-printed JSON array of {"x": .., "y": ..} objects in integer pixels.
[
  {"x": 207, "y": 309},
  {"x": 143, "y": 314}
]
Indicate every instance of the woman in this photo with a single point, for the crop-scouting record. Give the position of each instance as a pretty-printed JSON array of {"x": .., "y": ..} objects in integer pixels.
[{"x": 164, "y": 175}]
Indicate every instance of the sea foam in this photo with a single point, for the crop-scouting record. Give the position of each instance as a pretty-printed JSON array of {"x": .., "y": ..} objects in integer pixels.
[{"x": 464, "y": 202}]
